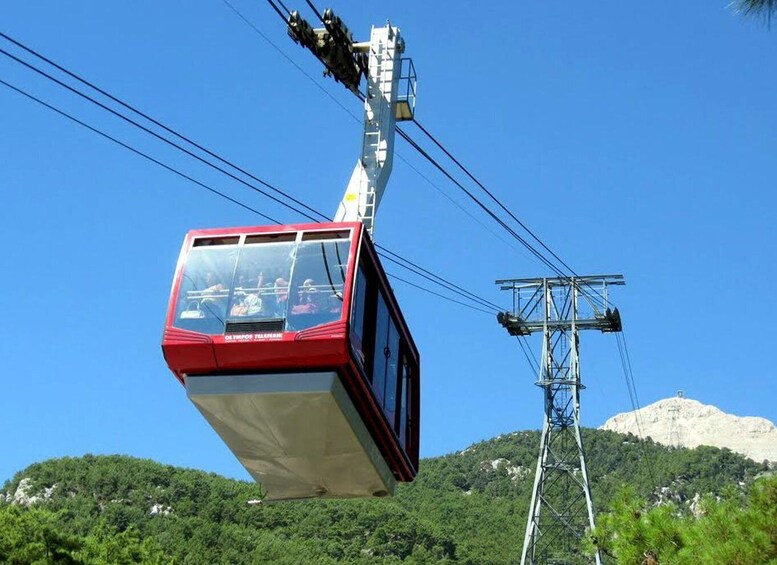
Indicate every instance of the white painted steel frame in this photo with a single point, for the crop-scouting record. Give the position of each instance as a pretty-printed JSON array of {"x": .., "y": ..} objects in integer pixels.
[{"x": 370, "y": 177}]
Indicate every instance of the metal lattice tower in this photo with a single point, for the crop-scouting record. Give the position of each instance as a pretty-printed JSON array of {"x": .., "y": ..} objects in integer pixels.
[
  {"x": 561, "y": 508},
  {"x": 674, "y": 426}
]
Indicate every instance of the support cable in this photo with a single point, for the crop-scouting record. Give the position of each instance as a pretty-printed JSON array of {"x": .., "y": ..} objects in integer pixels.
[
  {"x": 534, "y": 364},
  {"x": 485, "y": 208},
  {"x": 136, "y": 151},
  {"x": 597, "y": 297},
  {"x": 284, "y": 6},
  {"x": 413, "y": 144},
  {"x": 420, "y": 271},
  {"x": 489, "y": 312},
  {"x": 277, "y": 10},
  {"x": 315, "y": 10},
  {"x": 466, "y": 212},
  {"x": 410, "y": 266},
  {"x": 634, "y": 399},
  {"x": 291, "y": 61},
  {"x": 146, "y": 116},
  {"x": 491, "y": 195},
  {"x": 151, "y": 132}
]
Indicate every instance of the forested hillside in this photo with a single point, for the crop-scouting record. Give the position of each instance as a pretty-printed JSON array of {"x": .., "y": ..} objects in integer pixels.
[{"x": 467, "y": 507}]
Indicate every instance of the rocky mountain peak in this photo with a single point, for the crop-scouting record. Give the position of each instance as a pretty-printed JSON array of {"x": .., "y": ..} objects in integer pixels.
[{"x": 683, "y": 422}]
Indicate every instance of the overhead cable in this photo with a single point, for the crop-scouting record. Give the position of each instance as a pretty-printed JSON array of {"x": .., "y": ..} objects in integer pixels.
[
  {"x": 391, "y": 256},
  {"x": 413, "y": 144},
  {"x": 480, "y": 204},
  {"x": 530, "y": 358},
  {"x": 406, "y": 264},
  {"x": 151, "y": 132},
  {"x": 634, "y": 399},
  {"x": 291, "y": 61},
  {"x": 491, "y": 195},
  {"x": 284, "y": 7},
  {"x": 489, "y": 312},
  {"x": 136, "y": 151},
  {"x": 319, "y": 14},
  {"x": 149, "y": 118},
  {"x": 277, "y": 10}
]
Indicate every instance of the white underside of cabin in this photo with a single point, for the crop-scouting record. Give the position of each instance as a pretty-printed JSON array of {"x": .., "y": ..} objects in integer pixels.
[{"x": 298, "y": 434}]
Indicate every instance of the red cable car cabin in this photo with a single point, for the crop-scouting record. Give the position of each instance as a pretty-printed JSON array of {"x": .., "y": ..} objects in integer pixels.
[{"x": 290, "y": 342}]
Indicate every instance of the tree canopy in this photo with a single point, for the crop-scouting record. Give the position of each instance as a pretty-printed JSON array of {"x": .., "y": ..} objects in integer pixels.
[
  {"x": 466, "y": 507},
  {"x": 764, "y": 8}
]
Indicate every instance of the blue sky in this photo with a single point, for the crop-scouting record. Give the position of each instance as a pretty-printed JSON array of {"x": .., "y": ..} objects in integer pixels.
[{"x": 634, "y": 138}]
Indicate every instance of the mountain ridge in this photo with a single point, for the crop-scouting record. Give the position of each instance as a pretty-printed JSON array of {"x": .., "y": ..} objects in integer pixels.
[
  {"x": 465, "y": 507},
  {"x": 684, "y": 422}
]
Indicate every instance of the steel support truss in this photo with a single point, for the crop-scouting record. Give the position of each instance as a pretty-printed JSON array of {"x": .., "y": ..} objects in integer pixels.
[
  {"x": 381, "y": 112},
  {"x": 390, "y": 97},
  {"x": 562, "y": 509}
]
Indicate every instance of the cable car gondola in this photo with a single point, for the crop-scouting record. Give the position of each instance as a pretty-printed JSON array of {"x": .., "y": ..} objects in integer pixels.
[{"x": 290, "y": 342}]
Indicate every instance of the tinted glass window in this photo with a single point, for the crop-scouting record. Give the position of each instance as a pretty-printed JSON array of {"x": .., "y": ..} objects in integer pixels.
[
  {"x": 408, "y": 435},
  {"x": 403, "y": 380},
  {"x": 205, "y": 286},
  {"x": 270, "y": 277},
  {"x": 261, "y": 288},
  {"x": 392, "y": 368},
  {"x": 317, "y": 282},
  {"x": 379, "y": 360},
  {"x": 357, "y": 314}
]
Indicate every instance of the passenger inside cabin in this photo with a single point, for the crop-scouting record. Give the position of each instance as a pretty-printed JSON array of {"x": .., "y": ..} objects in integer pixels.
[
  {"x": 306, "y": 285},
  {"x": 252, "y": 298},
  {"x": 212, "y": 283},
  {"x": 253, "y": 302},
  {"x": 307, "y": 299},
  {"x": 280, "y": 293},
  {"x": 213, "y": 297},
  {"x": 249, "y": 305}
]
